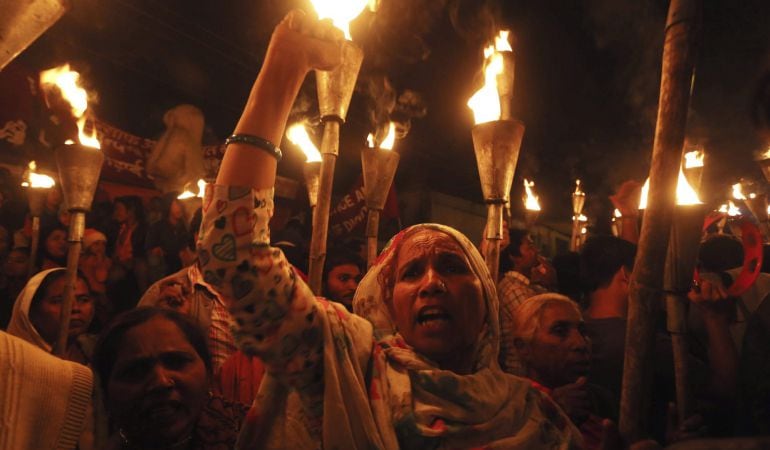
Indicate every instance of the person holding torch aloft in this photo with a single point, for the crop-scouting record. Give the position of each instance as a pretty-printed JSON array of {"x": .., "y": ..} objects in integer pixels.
[{"x": 430, "y": 332}]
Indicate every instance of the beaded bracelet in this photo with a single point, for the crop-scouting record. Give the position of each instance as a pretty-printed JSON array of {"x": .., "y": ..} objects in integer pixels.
[{"x": 258, "y": 142}]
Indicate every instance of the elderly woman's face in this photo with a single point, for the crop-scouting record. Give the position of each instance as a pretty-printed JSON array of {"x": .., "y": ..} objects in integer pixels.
[
  {"x": 438, "y": 303},
  {"x": 158, "y": 385}
]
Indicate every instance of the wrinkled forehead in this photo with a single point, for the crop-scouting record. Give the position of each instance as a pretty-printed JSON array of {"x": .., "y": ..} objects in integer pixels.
[{"x": 427, "y": 242}]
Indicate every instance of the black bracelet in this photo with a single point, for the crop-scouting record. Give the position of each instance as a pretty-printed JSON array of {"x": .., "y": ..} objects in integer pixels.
[{"x": 255, "y": 141}]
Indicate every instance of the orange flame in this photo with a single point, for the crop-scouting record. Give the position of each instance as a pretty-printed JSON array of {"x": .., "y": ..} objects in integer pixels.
[
  {"x": 341, "y": 12},
  {"x": 731, "y": 210},
  {"x": 531, "y": 200},
  {"x": 693, "y": 159},
  {"x": 297, "y": 134},
  {"x": 764, "y": 155},
  {"x": 390, "y": 139},
  {"x": 485, "y": 103},
  {"x": 738, "y": 192},
  {"x": 67, "y": 82},
  {"x": 190, "y": 194},
  {"x": 685, "y": 194},
  {"x": 37, "y": 180}
]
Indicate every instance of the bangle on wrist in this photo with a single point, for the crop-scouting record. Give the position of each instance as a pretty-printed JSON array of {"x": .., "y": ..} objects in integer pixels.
[{"x": 258, "y": 142}]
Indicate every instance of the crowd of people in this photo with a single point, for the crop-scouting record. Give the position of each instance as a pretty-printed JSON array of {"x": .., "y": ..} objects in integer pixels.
[{"x": 203, "y": 334}]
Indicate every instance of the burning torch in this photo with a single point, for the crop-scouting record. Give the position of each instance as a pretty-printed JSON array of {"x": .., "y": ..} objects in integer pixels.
[
  {"x": 496, "y": 141},
  {"x": 38, "y": 185},
  {"x": 578, "y": 201},
  {"x": 335, "y": 89},
  {"x": 191, "y": 200},
  {"x": 757, "y": 205},
  {"x": 686, "y": 231},
  {"x": 79, "y": 167},
  {"x": 531, "y": 204},
  {"x": 379, "y": 164},
  {"x": 298, "y": 135}
]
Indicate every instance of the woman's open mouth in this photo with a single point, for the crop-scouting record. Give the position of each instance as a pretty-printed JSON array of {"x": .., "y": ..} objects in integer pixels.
[{"x": 433, "y": 317}]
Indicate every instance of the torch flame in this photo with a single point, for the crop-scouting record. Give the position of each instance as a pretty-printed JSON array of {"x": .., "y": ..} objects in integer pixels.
[
  {"x": 685, "y": 194},
  {"x": 501, "y": 42},
  {"x": 189, "y": 194},
  {"x": 530, "y": 201},
  {"x": 37, "y": 180},
  {"x": 390, "y": 139},
  {"x": 67, "y": 82},
  {"x": 738, "y": 192},
  {"x": 693, "y": 159},
  {"x": 765, "y": 155},
  {"x": 297, "y": 134},
  {"x": 731, "y": 210},
  {"x": 485, "y": 103},
  {"x": 577, "y": 188},
  {"x": 341, "y": 12}
]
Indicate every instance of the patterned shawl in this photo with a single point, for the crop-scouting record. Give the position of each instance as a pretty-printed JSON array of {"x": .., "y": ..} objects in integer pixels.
[{"x": 380, "y": 394}]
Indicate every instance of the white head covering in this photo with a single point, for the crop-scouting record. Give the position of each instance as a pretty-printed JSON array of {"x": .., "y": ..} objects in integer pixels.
[{"x": 20, "y": 324}]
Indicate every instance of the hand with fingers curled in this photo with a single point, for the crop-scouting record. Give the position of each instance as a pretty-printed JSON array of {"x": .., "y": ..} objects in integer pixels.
[
  {"x": 710, "y": 296},
  {"x": 306, "y": 41}
]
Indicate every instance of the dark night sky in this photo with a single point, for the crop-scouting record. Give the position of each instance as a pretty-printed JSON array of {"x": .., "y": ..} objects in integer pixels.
[{"x": 586, "y": 81}]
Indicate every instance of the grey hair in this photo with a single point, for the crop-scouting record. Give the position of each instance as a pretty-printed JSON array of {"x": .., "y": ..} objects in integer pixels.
[{"x": 528, "y": 314}]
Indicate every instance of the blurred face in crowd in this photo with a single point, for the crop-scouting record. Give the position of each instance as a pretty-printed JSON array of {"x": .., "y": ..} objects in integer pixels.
[
  {"x": 56, "y": 244},
  {"x": 98, "y": 248},
  {"x": 120, "y": 212},
  {"x": 16, "y": 264},
  {"x": 341, "y": 283},
  {"x": 438, "y": 303},
  {"x": 528, "y": 258},
  {"x": 158, "y": 385},
  {"x": 559, "y": 352},
  {"x": 45, "y": 315},
  {"x": 176, "y": 212}
]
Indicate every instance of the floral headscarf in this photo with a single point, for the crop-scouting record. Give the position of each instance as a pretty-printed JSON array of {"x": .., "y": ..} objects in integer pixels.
[{"x": 431, "y": 407}]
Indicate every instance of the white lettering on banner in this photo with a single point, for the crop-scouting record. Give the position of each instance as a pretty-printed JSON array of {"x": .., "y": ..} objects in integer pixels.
[
  {"x": 135, "y": 168},
  {"x": 350, "y": 224}
]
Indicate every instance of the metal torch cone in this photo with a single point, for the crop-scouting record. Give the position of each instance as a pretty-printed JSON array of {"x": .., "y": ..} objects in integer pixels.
[
  {"x": 578, "y": 201},
  {"x": 311, "y": 171},
  {"x": 378, "y": 167},
  {"x": 24, "y": 21},
  {"x": 36, "y": 197},
  {"x": 530, "y": 217},
  {"x": 497, "y": 146},
  {"x": 79, "y": 169},
  {"x": 686, "y": 230},
  {"x": 764, "y": 164},
  {"x": 335, "y": 89}
]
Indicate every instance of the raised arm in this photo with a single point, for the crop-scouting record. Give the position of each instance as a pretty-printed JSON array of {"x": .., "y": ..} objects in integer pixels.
[
  {"x": 298, "y": 45},
  {"x": 276, "y": 313}
]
